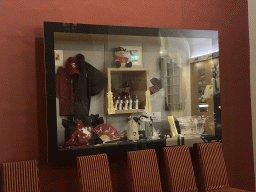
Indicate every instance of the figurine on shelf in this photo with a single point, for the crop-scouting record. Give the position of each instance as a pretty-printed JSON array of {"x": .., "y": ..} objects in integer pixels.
[
  {"x": 126, "y": 102},
  {"x": 121, "y": 60},
  {"x": 136, "y": 103},
  {"x": 146, "y": 120},
  {"x": 130, "y": 102},
  {"x": 117, "y": 102},
  {"x": 125, "y": 90},
  {"x": 114, "y": 101},
  {"x": 121, "y": 104},
  {"x": 146, "y": 116}
]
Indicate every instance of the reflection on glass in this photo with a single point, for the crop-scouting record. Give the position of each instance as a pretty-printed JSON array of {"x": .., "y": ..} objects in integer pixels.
[
  {"x": 193, "y": 91},
  {"x": 185, "y": 85}
]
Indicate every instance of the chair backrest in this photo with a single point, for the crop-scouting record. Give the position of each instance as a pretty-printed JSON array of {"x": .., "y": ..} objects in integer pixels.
[
  {"x": 144, "y": 170},
  {"x": 212, "y": 165},
  {"x": 20, "y": 176},
  {"x": 94, "y": 173},
  {"x": 179, "y": 169}
]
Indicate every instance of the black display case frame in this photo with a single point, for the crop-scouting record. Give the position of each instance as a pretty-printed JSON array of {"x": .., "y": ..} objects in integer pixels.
[{"x": 54, "y": 153}]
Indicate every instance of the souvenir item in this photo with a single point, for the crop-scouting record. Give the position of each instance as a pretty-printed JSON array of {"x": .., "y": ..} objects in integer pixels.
[
  {"x": 80, "y": 137},
  {"x": 121, "y": 60},
  {"x": 65, "y": 85},
  {"x": 145, "y": 116},
  {"x": 132, "y": 131},
  {"x": 130, "y": 102},
  {"x": 157, "y": 85},
  {"x": 122, "y": 134},
  {"x": 90, "y": 82},
  {"x": 72, "y": 66},
  {"x": 172, "y": 125},
  {"x": 136, "y": 103},
  {"x": 121, "y": 104},
  {"x": 142, "y": 134},
  {"x": 116, "y": 103},
  {"x": 70, "y": 128},
  {"x": 155, "y": 134},
  {"x": 156, "y": 82},
  {"x": 126, "y": 102},
  {"x": 125, "y": 90},
  {"x": 106, "y": 132}
]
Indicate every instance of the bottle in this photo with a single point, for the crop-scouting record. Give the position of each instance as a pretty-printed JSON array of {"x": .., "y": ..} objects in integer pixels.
[
  {"x": 126, "y": 102},
  {"x": 130, "y": 102},
  {"x": 121, "y": 104},
  {"x": 136, "y": 103},
  {"x": 116, "y": 103}
]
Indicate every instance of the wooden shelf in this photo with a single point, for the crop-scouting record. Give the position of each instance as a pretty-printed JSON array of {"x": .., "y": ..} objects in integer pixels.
[
  {"x": 128, "y": 111},
  {"x": 139, "y": 80}
]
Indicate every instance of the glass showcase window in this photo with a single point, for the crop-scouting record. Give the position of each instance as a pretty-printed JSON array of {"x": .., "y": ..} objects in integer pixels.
[{"x": 173, "y": 74}]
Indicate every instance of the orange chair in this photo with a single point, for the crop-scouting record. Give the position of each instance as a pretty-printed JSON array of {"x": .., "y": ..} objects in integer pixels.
[
  {"x": 144, "y": 170},
  {"x": 213, "y": 168},
  {"x": 94, "y": 173},
  {"x": 20, "y": 177},
  {"x": 179, "y": 169}
]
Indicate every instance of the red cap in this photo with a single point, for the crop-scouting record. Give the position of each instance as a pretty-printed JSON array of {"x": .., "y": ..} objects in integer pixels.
[{"x": 72, "y": 66}]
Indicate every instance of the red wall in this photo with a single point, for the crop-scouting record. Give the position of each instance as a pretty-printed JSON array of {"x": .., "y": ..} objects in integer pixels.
[{"x": 22, "y": 98}]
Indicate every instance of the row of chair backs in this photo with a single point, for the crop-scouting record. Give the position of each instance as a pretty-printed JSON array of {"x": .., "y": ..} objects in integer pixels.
[
  {"x": 94, "y": 172},
  {"x": 212, "y": 166},
  {"x": 144, "y": 171},
  {"x": 179, "y": 168}
]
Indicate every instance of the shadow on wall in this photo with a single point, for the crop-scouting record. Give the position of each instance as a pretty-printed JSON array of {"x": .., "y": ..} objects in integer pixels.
[{"x": 41, "y": 100}]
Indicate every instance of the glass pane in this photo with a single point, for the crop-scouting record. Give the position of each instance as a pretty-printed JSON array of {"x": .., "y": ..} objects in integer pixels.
[
  {"x": 169, "y": 71},
  {"x": 186, "y": 83}
]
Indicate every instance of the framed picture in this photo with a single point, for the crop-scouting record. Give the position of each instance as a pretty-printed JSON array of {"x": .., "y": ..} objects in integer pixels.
[
  {"x": 134, "y": 53},
  {"x": 172, "y": 125}
]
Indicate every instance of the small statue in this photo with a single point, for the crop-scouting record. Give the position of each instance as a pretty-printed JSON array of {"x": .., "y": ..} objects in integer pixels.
[
  {"x": 126, "y": 102},
  {"x": 125, "y": 90},
  {"x": 121, "y": 60},
  {"x": 121, "y": 104},
  {"x": 117, "y": 102},
  {"x": 136, "y": 103},
  {"x": 147, "y": 121},
  {"x": 114, "y": 101},
  {"x": 132, "y": 131},
  {"x": 146, "y": 116},
  {"x": 130, "y": 102}
]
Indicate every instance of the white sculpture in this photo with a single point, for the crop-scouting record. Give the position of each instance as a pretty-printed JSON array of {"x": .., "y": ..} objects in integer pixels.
[
  {"x": 130, "y": 102},
  {"x": 116, "y": 103},
  {"x": 132, "y": 131},
  {"x": 126, "y": 103},
  {"x": 121, "y": 104},
  {"x": 136, "y": 103}
]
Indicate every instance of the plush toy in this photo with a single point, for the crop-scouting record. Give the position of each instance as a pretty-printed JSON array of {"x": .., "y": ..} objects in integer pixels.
[
  {"x": 121, "y": 60},
  {"x": 145, "y": 117}
]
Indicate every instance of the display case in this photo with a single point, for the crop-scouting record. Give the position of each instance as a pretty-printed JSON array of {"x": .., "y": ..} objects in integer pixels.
[{"x": 85, "y": 77}]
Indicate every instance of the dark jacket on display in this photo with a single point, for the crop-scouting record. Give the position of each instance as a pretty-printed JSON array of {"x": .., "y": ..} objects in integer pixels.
[{"x": 90, "y": 82}]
